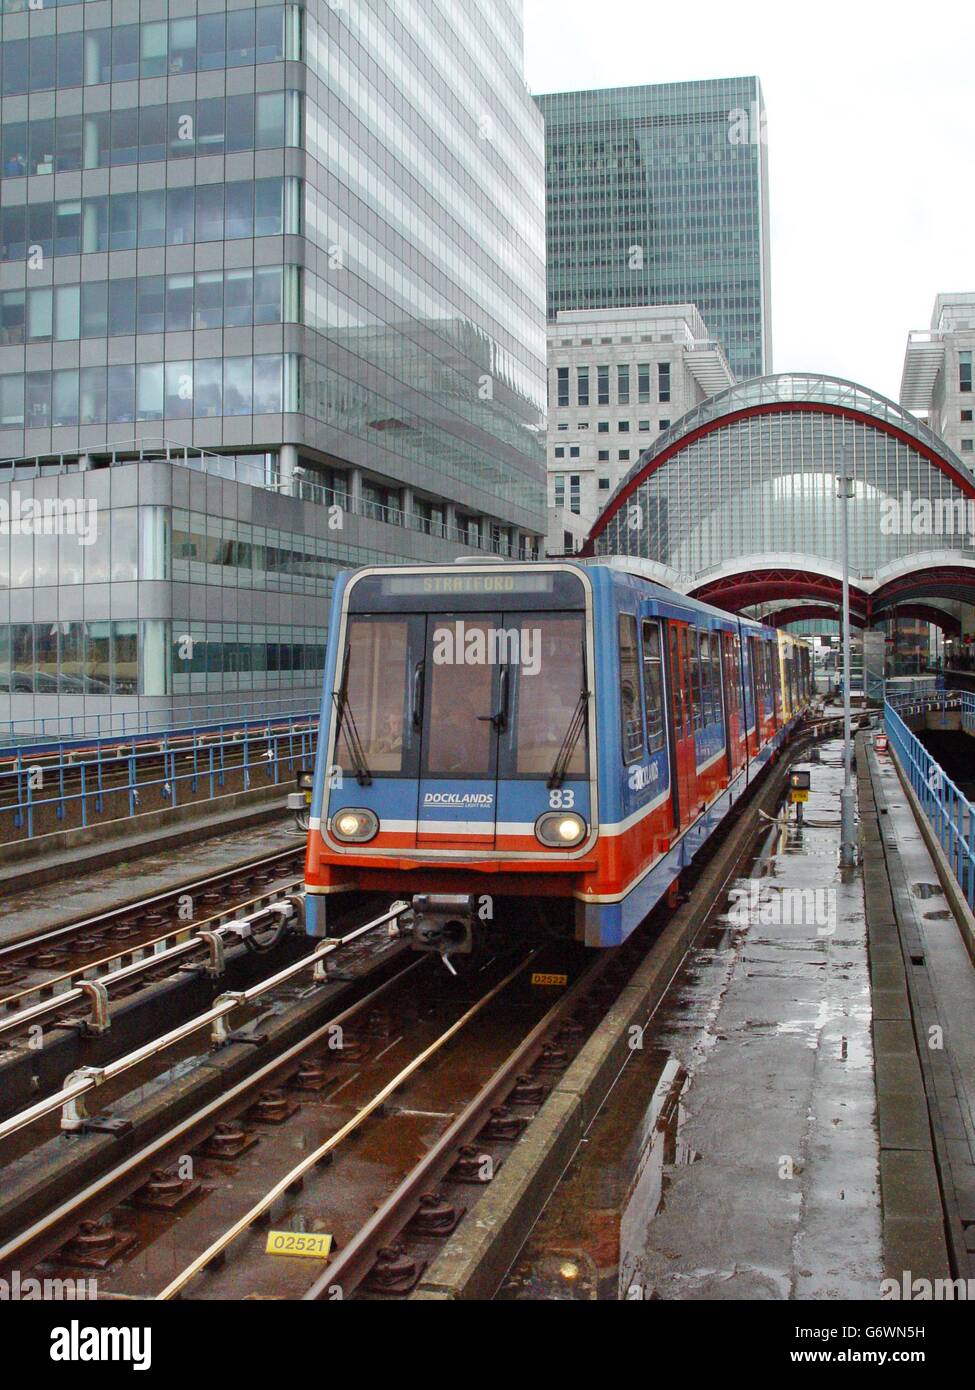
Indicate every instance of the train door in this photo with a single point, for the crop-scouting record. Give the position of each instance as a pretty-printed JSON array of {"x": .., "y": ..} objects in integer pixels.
[
  {"x": 460, "y": 703},
  {"x": 732, "y": 704},
  {"x": 682, "y": 752},
  {"x": 756, "y": 679}
]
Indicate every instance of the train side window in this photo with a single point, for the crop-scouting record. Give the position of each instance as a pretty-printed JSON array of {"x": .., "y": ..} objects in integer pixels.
[
  {"x": 653, "y": 685},
  {"x": 630, "y": 713}
]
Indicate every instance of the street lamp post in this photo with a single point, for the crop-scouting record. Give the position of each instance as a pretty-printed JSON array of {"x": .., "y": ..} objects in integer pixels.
[{"x": 848, "y": 845}]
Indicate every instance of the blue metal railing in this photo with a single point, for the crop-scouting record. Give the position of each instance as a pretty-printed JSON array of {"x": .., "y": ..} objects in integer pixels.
[
  {"x": 949, "y": 812},
  {"x": 68, "y": 784},
  {"x": 58, "y": 728}
]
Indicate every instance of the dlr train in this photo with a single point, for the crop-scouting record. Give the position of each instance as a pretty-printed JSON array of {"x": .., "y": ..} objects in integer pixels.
[{"x": 532, "y": 746}]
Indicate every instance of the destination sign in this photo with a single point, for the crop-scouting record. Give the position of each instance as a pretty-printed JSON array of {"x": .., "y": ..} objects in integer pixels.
[{"x": 412, "y": 585}]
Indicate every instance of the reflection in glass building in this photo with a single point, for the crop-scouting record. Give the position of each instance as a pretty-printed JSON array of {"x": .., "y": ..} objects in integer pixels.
[
  {"x": 294, "y": 256},
  {"x": 659, "y": 195}
]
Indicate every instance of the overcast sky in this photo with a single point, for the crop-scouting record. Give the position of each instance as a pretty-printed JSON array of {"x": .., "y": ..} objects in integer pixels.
[{"x": 871, "y": 119}]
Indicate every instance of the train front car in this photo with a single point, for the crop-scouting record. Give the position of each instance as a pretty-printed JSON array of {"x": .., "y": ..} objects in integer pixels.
[{"x": 454, "y": 763}]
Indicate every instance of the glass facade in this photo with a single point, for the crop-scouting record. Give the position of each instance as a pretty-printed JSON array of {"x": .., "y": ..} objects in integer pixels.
[
  {"x": 659, "y": 195},
  {"x": 304, "y": 240},
  {"x": 760, "y": 491},
  {"x": 341, "y": 197}
]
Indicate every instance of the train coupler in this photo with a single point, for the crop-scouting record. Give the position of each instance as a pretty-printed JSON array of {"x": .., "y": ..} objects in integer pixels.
[{"x": 444, "y": 922}]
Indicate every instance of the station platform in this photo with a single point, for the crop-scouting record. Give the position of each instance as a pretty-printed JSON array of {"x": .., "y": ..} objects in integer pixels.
[
  {"x": 798, "y": 1120},
  {"x": 138, "y": 868}
]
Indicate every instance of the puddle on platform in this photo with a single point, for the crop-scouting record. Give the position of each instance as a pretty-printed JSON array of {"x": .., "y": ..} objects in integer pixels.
[
  {"x": 927, "y": 890},
  {"x": 614, "y": 1187}
]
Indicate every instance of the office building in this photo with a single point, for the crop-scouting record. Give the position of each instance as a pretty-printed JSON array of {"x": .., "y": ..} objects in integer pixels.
[
  {"x": 937, "y": 377},
  {"x": 617, "y": 380},
  {"x": 659, "y": 195},
  {"x": 297, "y": 249}
]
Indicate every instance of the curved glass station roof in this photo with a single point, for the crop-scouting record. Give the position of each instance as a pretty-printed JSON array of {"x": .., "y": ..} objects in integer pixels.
[{"x": 747, "y": 482}]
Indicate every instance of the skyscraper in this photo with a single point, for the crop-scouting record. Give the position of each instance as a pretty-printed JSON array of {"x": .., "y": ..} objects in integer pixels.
[
  {"x": 659, "y": 195},
  {"x": 297, "y": 247}
]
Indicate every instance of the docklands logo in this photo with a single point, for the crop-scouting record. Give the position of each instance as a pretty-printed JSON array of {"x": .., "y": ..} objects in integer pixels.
[{"x": 459, "y": 645}]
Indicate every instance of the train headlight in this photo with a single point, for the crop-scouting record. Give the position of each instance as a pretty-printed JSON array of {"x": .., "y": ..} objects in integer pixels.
[
  {"x": 305, "y": 779},
  {"x": 561, "y": 829},
  {"x": 354, "y": 826}
]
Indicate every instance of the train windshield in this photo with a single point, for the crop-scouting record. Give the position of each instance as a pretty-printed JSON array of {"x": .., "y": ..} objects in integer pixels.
[
  {"x": 371, "y": 702},
  {"x": 549, "y": 694},
  {"x": 463, "y": 695}
]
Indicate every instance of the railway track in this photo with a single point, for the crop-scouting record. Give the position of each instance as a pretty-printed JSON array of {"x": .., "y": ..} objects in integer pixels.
[
  {"x": 330, "y": 1165},
  {"x": 380, "y": 1143},
  {"x": 135, "y": 1096},
  {"x": 123, "y": 945}
]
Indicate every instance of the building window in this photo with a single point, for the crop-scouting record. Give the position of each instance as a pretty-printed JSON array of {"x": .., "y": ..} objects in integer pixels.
[
  {"x": 575, "y": 494},
  {"x": 582, "y": 385},
  {"x": 603, "y": 427},
  {"x": 624, "y": 456},
  {"x": 560, "y": 489},
  {"x": 568, "y": 545},
  {"x": 573, "y": 451},
  {"x": 966, "y": 416},
  {"x": 603, "y": 456},
  {"x": 964, "y": 371},
  {"x": 563, "y": 386},
  {"x": 604, "y": 485},
  {"x": 602, "y": 385},
  {"x": 966, "y": 446},
  {"x": 623, "y": 384},
  {"x": 624, "y": 427},
  {"x": 643, "y": 382},
  {"x": 663, "y": 380},
  {"x": 560, "y": 453},
  {"x": 563, "y": 425},
  {"x": 665, "y": 424},
  {"x": 582, "y": 425},
  {"x": 644, "y": 426}
]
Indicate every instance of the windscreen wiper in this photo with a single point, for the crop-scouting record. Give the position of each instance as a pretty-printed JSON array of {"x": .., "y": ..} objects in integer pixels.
[
  {"x": 576, "y": 725},
  {"x": 345, "y": 717}
]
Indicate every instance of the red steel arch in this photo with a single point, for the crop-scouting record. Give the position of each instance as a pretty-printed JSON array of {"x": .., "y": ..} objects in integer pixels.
[
  {"x": 752, "y": 587},
  {"x": 861, "y": 417}
]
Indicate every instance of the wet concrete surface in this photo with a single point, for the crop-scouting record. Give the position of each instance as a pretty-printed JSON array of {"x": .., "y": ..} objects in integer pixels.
[
  {"x": 50, "y": 905},
  {"x": 944, "y": 952},
  {"x": 737, "y": 1156}
]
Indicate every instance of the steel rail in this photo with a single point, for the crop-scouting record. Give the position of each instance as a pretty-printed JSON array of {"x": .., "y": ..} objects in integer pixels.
[
  {"x": 88, "y": 1079},
  {"x": 141, "y": 905},
  {"x": 153, "y": 957},
  {"x": 79, "y": 1200},
  {"x": 311, "y": 1160},
  {"x": 75, "y": 993},
  {"x": 355, "y": 1260}
]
